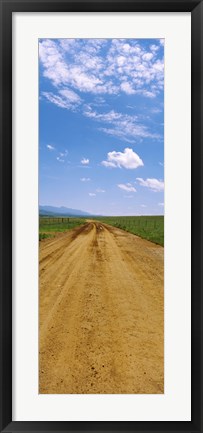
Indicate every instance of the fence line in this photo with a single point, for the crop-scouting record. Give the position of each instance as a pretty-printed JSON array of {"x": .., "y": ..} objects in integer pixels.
[{"x": 55, "y": 220}]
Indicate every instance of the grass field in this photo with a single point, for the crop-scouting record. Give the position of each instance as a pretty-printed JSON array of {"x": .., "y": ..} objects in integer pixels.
[
  {"x": 147, "y": 227},
  {"x": 48, "y": 227}
]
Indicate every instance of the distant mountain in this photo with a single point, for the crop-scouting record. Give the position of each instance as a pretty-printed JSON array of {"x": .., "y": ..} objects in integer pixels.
[{"x": 64, "y": 211}]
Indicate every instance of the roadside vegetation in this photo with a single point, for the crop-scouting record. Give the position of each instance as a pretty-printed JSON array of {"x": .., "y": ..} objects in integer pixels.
[
  {"x": 48, "y": 227},
  {"x": 147, "y": 227}
]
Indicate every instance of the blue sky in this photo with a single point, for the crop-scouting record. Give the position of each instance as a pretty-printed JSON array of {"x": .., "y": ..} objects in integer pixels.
[{"x": 101, "y": 125}]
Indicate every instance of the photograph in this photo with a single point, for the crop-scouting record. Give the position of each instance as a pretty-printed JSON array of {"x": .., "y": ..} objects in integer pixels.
[
  {"x": 101, "y": 216},
  {"x": 101, "y": 198}
]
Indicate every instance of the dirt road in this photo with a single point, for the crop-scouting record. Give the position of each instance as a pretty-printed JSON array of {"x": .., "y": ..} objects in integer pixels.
[{"x": 101, "y": 313}]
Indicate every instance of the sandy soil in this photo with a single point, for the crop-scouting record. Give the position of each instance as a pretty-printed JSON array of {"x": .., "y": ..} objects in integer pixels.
[{"x": 101, "y": 313}]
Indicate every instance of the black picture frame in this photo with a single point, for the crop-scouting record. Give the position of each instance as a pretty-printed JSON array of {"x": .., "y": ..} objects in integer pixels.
[{"x": 7, "y": 7}]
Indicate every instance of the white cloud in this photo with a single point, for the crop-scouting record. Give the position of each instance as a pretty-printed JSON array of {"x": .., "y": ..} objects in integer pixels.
[
  {"x": 143, "y": 205},
  {"x": 92, "y": 194},
  {"x": 74, "y": 66},
  {"x": 108, "y": 164},
  {"x": 81, "y": 65},
  {"x": 64, "y": 99},
  {"x": 127, "y": 88},
  {"x": 156, "y": 110},
  {"x": 65, "y": 153},
  {"x": 61, "y": 156},
  {"x": 109, "y": 117},
  {"x": 147, "y": 56},
  {"x": 127, "y": 187},
  {"x": 100, "y": 190},
  {"x": 154, "y": 184},
  {"x": 60, "y": 159},
  {"x": 50, "y": 147},
  {"x": 79, "y": 70},
  {"x": 51, "y": 58},
  {"x": 161, "y": 204},
  {"x": 123, "y": 126},
  {"x": 85, "y": 161},
  {"x": 85, "y": 179},
  {"x": 55, "y": 99},
  {"x": 127, "y": 159},
  {"x": 149, "y": 94},
  {"x": 154, "y": 48},
  {"x": 70, "y": 96}
]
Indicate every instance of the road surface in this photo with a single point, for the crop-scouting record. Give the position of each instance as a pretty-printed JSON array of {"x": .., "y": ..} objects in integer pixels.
[{"x": 101, "y": 313}]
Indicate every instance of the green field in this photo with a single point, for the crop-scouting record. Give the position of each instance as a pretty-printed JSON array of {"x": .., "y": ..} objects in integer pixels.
[
  {"x": 48, "y": 227},
  {"x": 147, "y": 227}
]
